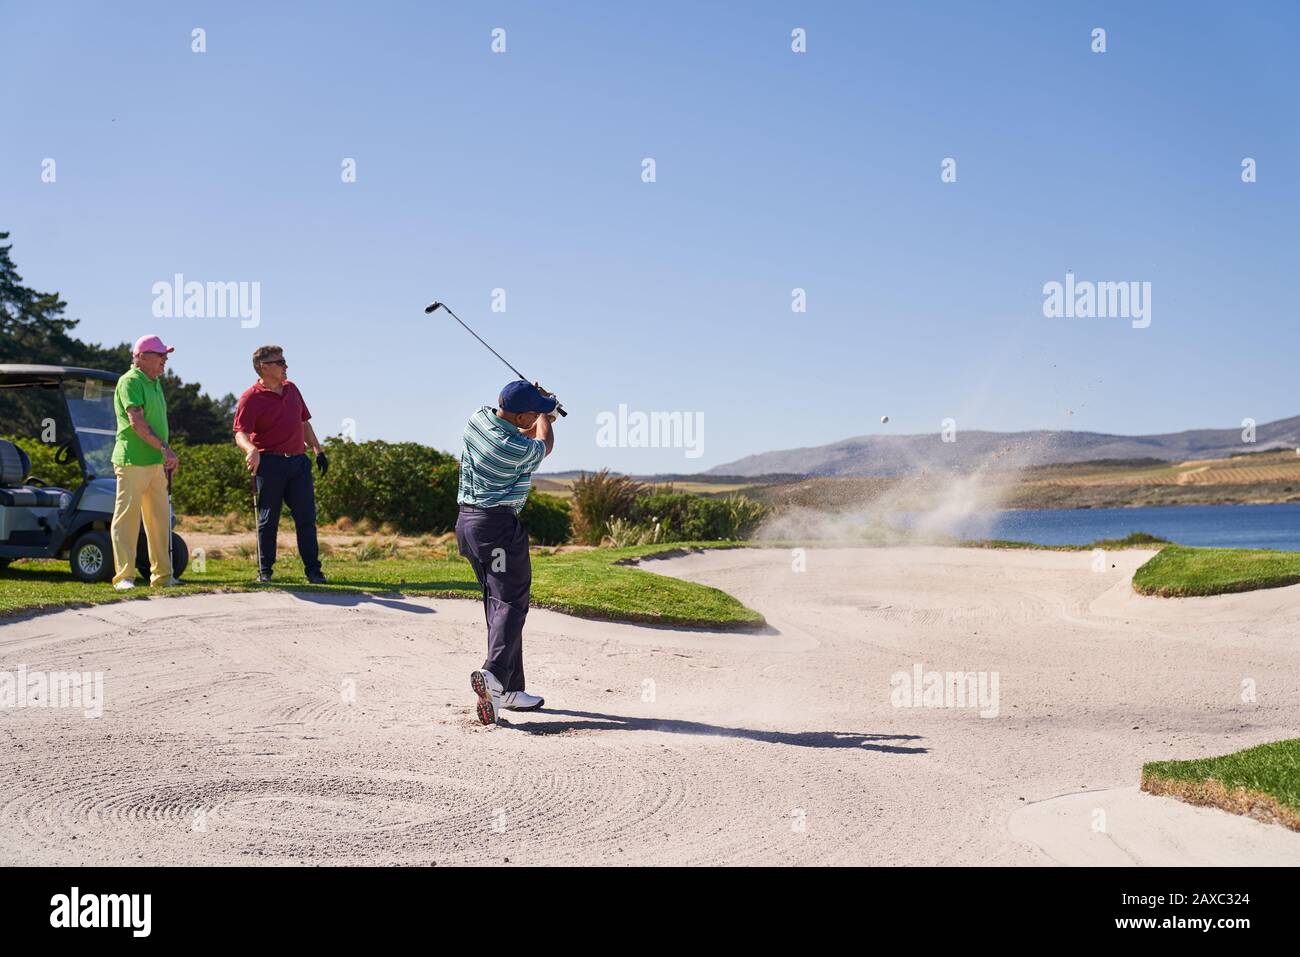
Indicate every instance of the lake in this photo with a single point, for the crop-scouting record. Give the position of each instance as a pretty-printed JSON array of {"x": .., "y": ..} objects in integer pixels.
[{"x": 1221, "y": 526}]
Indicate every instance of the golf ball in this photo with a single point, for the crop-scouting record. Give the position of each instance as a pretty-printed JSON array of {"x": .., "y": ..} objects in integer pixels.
[{"x": 884, "y": 419}]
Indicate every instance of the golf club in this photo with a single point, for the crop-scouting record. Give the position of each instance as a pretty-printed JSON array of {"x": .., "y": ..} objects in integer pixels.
[
  {"x": 171, "y": 526},
  {"x": 434, "y": 306},
  {"x": 257, "y": 516}
]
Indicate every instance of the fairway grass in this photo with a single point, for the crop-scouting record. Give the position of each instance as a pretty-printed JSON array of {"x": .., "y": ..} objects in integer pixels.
[
  {"x": 1262, "y": 782},
  {"x": 1132, "y": 540},
  {"x": 1179, "y": 571},
  {"x": 601, "y": 584},
  {"x": 605, "y": 583}
]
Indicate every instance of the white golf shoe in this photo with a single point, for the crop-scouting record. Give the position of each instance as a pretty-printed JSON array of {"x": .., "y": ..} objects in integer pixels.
[
  {"x": 489, "y": 693},
  {"x": 124, "y": 585},
  {"x": 521, "y": 701}
]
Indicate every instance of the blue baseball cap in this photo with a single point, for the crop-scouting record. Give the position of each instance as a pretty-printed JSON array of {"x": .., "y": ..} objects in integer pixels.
[{"x": 521, "y": 396}]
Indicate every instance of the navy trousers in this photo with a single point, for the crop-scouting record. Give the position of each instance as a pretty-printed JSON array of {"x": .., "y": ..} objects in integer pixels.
[
  {"x": 286, "y": 481},
  {"x": 495, "y": 543}
]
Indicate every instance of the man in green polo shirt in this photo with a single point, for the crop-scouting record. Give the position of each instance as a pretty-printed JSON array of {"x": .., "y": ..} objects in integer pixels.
[{"x": 141, "y": 461}]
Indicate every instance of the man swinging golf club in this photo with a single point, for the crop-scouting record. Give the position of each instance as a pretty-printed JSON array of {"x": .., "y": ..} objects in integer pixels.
[
  {"x": 272, "y": 428},
  {"x": 503, "y": 447}
]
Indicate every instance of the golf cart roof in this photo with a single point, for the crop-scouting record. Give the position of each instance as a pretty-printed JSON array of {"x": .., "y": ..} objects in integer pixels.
[{"x": 15, "y": 377}]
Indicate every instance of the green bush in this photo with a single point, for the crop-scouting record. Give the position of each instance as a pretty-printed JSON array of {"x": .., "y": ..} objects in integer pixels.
[
  {"x": 547, "y": 518},
  {"x": 623, "y": 534},
  {"x": 710, "y": 519},
  {"x": 444, "y": 484},
  {"x": 43, "y": 465},
  {"x": 683, "y": 517},
  {"x": 211, "y": 480},
  {"x": 599, "y": 497},
  {"x": 667, "y": 508},
  {"x": 411, "y": 486},
  {"x": 744, "y": 516}
]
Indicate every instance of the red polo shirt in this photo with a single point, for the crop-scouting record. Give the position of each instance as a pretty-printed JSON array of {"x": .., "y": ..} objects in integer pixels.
[{"x": 273, "y": 420}]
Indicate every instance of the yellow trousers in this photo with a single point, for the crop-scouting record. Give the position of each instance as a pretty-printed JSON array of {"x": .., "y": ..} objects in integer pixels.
[{"x": 141, "y": 492}]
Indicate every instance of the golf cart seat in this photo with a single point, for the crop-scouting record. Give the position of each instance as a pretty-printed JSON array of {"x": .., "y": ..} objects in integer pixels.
[{"x": 14, "y": 466}]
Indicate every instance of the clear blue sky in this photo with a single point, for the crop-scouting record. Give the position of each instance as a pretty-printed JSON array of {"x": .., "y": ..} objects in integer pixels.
[{"x": 775, "y": 170}]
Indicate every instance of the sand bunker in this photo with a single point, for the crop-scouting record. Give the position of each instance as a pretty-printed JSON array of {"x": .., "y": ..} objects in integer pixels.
[{"x": 273, "y": 728}]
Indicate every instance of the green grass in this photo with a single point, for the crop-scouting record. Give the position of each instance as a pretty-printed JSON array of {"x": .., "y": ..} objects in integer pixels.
[
  {"x": 1131, "y": 540},
  {"x": 585, "y": 584},
  {"x": 598, "y": 584},
  {"x": 605, "y": 584},
  {"x": 1180, "y": 571},
  {"x": 1263, "y": 782}
]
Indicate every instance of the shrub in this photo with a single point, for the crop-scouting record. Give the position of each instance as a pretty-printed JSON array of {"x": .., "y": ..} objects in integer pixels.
[
  {"x": 599, "y": 497},
  {"x": 666, "y": 507},
  {"x": 237, "y": 521},
  {"x": 375, "y": 549},
  {"x": 547, "y": 518},
  {"x": 623, "y": 533},
  {"x": 368, "y": 552},
  {"x": 212, "y": 480},
  {"x": 744, "y": 515},
  {"x": 683, "y": 517},
  {"x": 411, "y": 486},
  {"x": 711, "y": 519},
  {"x": 444, "y": 484}
]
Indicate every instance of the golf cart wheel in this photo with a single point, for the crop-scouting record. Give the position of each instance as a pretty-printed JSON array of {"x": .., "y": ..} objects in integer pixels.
[
  {"x": 180, "y": 557},
  {"x": 91, "y": 557}
]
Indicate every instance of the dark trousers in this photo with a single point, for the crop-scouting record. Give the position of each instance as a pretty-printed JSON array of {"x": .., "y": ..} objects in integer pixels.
[
  {"x": 496, "y": 545},
  {"x": 286, "y": 481}
]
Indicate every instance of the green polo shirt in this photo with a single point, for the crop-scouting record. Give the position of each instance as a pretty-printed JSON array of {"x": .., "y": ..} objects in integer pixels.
[{"x": 136, "y": 388}]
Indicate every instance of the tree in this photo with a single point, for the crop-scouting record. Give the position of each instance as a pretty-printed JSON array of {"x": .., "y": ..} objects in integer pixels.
[
  {"x": 32, "y": 322},
  {"x": 195, "y": 417},
  {"x": 34, "y": 331}
]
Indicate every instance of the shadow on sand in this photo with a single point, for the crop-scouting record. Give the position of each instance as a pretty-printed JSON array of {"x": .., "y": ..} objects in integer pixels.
[
  {"x": 594, "y": 721},
  {"x": 345, "y": 599}
]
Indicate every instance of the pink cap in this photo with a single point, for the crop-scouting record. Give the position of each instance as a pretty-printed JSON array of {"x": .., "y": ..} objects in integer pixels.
[{"x": 150, "y": 344}]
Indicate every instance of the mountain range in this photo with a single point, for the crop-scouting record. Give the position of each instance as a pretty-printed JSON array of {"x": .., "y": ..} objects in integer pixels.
[{"x": 866, "y": 455}]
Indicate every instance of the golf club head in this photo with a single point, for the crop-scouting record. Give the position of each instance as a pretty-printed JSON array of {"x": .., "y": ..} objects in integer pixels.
[{"x": 431, "y": 307}]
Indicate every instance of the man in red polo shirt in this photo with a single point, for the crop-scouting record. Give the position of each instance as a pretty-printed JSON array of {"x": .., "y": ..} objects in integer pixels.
[{"x": 272, "y": 428}]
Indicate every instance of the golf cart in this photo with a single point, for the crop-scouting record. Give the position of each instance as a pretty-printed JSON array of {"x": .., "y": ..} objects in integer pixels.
[{"x": 40, "y": 521}]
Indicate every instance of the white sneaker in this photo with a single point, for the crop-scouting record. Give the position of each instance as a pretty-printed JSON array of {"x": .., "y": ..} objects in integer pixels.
[
  {"x": 124, "y": 585},
  {"x": 166, "y": 583},
  {"x": 521, "y": 701},
  {"x": 488, "y": 689}
]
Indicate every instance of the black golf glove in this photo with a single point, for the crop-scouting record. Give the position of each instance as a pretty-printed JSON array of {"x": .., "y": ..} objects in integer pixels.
[{"x": 322, "y": 463}]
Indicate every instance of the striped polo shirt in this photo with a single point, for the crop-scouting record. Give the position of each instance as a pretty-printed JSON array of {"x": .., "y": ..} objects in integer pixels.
[{"x": 497, "y": 463}]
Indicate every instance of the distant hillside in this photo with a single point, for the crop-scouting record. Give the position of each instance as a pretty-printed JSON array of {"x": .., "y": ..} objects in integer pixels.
[
  {"x": 1252, "y": 477},
  {"x": 697, "y": 483},
  {"x": 885, "y": 455},
  {"x": 664, "y": 478}
]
